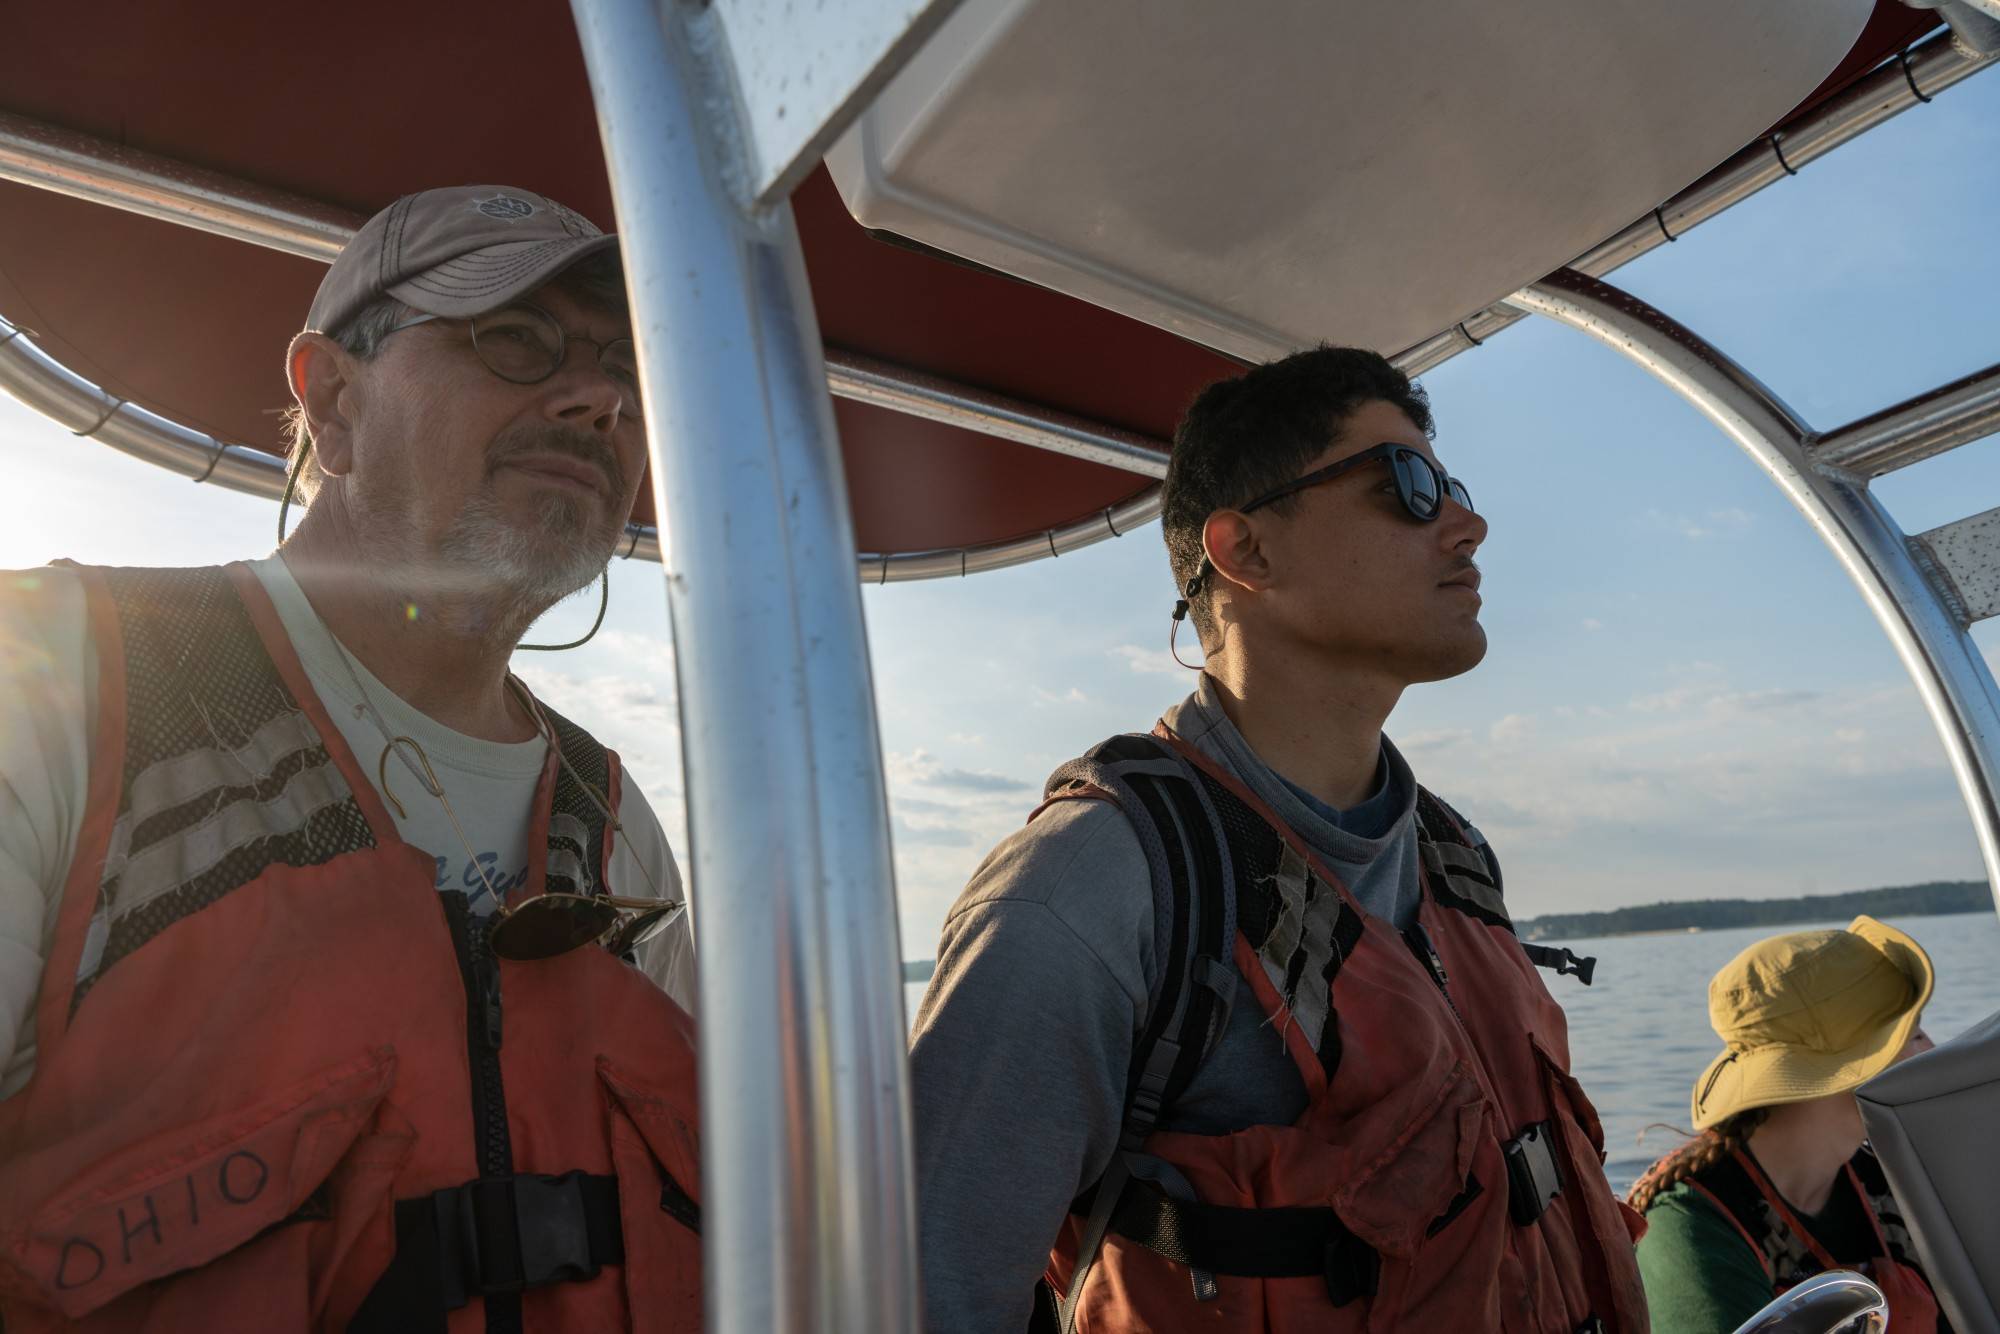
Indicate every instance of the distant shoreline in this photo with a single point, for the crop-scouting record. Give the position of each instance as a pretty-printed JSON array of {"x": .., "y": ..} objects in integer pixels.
[
  {"x": 1933, "y": 899},
  {"x": 1936, "y": 899}
]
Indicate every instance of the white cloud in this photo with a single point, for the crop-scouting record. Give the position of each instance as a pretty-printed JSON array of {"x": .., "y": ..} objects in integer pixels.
[
  {"x": 1761, "y": 701},
  {"x": 946, "y": 818},
  {"x": 1592, "y": 623},
  {"x": 1717, "y": 701},
  {"x": 1069, "y": 696},
  {"x": 633, "y": 715},
  {"x": 1664, "y": 701},
  {"x": 1146, "y": 661},
  {"x": 1433, "y": 740},
  {"x": 1697, "y": 527},
  {"x": 1705, "y": 790},
  {"x": 969, "y": 780},
  {"x": 919, "y": 771},
  {"x": 1511, "y": 728}
]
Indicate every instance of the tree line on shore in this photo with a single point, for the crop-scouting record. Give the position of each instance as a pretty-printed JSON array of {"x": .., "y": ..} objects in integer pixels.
[
  {"x": 1925, "y": 900},
  {"x": 1929, "y": 899}
]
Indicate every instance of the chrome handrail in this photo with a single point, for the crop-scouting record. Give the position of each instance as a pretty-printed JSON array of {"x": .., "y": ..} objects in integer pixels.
[
  {"x": 1914, "y": 77},
  {"x": 1949, "y": 670},
  {"x": 1839, "y": 1301},
  {"x": 63, "y": 160}
]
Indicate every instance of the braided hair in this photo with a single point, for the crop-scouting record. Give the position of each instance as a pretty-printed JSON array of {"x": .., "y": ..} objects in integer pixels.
[{"x": 1696, "y": 1156}]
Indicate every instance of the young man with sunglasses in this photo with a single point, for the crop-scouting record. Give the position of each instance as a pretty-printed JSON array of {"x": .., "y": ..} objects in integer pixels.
[
  {"x": 1236, "y": 1034},
  {"x": 338, "y": 974}
]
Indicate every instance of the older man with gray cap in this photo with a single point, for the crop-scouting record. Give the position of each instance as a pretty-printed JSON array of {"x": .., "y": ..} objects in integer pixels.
[{"x": 341, "y": 983}]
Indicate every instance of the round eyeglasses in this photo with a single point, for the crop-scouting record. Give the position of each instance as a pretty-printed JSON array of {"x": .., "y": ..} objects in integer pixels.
[{"x": 524, "y": 344}]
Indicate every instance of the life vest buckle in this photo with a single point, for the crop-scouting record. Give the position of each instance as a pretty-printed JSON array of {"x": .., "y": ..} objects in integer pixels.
[
  {"x": 495, "y": 1234},
  {"x": 524, "y": 1231},
  {"x": 1561, "y": 961},
  {"x": 1534, "y": 1176}
]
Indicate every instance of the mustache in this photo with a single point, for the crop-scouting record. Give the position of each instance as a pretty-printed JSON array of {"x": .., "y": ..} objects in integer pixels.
[
  {"x": 582, "y": 445},
  {"x": 1460, "y": 564}
]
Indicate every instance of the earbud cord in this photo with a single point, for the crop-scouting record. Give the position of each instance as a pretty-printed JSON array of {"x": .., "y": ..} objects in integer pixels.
[{"x": 1188, "y": 594}]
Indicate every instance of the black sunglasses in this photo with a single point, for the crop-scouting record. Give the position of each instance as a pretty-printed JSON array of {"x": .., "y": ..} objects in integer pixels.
[{"x": 1420, "y": 484}]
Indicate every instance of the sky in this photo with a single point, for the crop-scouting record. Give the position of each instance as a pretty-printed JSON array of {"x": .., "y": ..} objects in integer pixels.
[{"x": 1684, "y": 697}]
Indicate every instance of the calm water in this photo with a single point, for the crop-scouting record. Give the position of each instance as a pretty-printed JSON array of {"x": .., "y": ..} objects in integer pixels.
[{"x": 1639, "y": 1035}]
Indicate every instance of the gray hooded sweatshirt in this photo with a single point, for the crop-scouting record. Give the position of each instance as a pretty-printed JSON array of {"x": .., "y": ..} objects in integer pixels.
[{"x": 1044, "y": 969}]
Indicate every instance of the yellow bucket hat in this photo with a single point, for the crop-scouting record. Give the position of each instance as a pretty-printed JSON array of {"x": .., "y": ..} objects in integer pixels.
[{"x": 1808, "y": 1014}]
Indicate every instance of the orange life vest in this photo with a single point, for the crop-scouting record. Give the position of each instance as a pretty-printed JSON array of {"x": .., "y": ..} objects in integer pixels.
[
  {"x": 1434, "y": 1061},
  {"x": 280, "y": 1082},
  {"x": 1790, "y": 1253}
]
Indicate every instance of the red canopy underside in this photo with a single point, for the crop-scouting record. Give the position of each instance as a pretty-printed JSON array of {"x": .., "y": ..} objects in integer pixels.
[{"x": 194, "y": 326}]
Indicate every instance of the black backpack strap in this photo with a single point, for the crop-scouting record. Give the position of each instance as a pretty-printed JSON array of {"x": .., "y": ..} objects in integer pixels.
[
  {"x": 1465, "y": 875},
  {"x": 1194, "y": 929}
]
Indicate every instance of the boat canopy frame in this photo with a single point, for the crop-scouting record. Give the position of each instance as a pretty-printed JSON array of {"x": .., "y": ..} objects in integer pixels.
[
  {"x": 85, "y": 167},
  {"x": 1925, "y": 591},
  {"x": 809, "y": 1218}
]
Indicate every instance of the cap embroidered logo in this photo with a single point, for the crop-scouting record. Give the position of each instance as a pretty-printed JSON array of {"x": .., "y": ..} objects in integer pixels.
[
  {"x": 506, "y": 208},
  {"x": 573, "y": 222}
]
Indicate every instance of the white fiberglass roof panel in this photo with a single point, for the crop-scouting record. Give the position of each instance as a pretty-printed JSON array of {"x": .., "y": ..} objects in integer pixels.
[{"x": 1267, "y": 175}]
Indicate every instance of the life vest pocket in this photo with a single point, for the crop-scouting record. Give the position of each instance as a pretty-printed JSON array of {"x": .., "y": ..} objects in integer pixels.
[
  {"x": 1418, "y": 1199},
  {"x": 1393, "y": 1197},
  {"x": 246, "y": 1207},
  {"x": 656, "y": 1154}
]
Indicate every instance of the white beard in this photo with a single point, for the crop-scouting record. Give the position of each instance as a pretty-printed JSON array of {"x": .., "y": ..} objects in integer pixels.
[
  {"x": 512, "y": 571},
  {"x": 539, "y": 563}
]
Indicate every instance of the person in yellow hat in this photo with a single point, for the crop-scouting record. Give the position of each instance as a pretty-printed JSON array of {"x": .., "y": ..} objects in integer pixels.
[{"x": 1780, "y": 1184}]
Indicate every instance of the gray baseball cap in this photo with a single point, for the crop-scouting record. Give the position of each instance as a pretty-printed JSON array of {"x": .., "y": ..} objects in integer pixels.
[{"x": 457, "y": 252}]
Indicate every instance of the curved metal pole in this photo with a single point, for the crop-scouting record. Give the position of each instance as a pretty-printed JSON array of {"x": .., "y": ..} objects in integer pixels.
[
  {"x": 851, "y": 375},
  {"x": 112, "y": 174},
  {"x": 50, "y": 157},
  {"x": 86, "y": 409},
  {"x": 1910, "y": 79},
  {"x": 954, "y": 562},
  {"x": 1950, "y": 673},
  {"x": 1965, "y": 410},
  {"x": 807, "y": 1208},
  {"x": 38, "y": 380},
  {"x": 86, "y": 167}
]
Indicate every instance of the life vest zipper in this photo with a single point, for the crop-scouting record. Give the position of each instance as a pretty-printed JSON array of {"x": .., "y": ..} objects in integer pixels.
[
  {"x": 1421, "y": 945},
  {"x": 471, "y": 938}
]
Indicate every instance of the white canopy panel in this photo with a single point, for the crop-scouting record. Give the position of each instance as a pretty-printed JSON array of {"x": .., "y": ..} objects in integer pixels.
[{"x": 1267, "y": 175}]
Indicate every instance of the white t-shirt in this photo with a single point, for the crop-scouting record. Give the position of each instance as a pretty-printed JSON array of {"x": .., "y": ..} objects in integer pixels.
[{"x": 48, "y": 690}]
